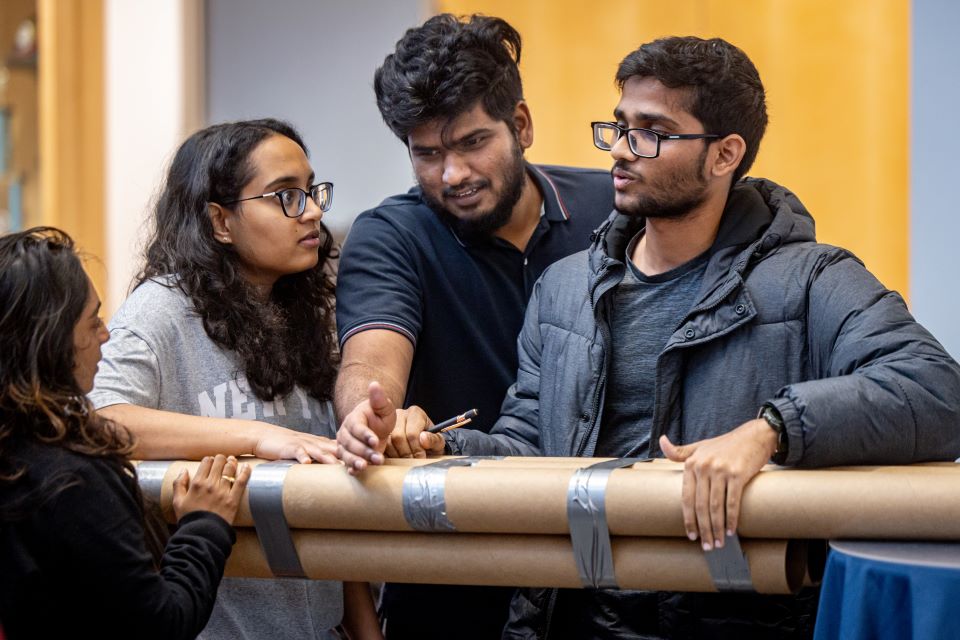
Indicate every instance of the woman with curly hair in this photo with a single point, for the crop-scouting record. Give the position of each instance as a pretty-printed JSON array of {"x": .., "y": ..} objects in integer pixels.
[
  {"x": 226, "y": 343},
  {"x": 78, "y": 553}
]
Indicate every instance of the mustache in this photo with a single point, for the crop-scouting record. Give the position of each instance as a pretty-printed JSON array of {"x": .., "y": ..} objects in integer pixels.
[
  {"x": 620, "y": 166},
  {"x": 449, "y": 192}
]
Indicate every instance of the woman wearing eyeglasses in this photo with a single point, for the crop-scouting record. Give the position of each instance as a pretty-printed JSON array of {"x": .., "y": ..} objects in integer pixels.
[
  {"x": 226, "y": 343},
  {"x": 77, "y": 554}
]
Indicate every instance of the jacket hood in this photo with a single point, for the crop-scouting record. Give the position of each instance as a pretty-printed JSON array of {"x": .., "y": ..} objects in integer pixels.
[{"x": 757, "y": 211}]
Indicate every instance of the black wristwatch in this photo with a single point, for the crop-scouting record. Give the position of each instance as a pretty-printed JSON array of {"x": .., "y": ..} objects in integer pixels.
[{"x": 769, "y": 413}]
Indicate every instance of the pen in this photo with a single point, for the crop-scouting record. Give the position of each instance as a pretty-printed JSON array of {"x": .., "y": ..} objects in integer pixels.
[{"x": 455, "y": 422}]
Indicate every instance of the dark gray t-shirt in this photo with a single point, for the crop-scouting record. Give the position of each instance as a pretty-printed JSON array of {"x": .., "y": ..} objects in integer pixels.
[{"x": 646, "y": 311}]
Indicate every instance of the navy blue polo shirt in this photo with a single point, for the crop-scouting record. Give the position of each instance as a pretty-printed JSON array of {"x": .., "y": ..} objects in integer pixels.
[{"x": 460, "y": 304}]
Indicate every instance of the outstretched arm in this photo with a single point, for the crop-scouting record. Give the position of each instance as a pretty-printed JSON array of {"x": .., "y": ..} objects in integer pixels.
[
  {"x": 373, "y": 355},
  {"x": 165, "y": 435}
]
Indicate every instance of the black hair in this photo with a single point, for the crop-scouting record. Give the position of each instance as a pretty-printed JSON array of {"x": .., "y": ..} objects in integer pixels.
[
  {"x": 444, "y": 67},
  {"x": 725, "y": 92},
  {"x": 43, "y": 292},
  {"x": 284, "y": 341}
]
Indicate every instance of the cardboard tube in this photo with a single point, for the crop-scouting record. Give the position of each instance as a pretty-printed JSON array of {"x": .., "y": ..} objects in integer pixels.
[
  {"x": 776, "y": 566},
  {"x": 524, "y": 497}
]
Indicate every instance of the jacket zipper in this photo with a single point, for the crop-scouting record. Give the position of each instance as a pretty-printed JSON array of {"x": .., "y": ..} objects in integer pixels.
[
  {"x": 551, "y": 604},
  {"x": 605, "y": 332}
]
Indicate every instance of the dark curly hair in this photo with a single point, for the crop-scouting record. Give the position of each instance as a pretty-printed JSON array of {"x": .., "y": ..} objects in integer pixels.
[
  {"x": 284, "y": 341},
  {"x": 442, "y": 68},
  {"x": 726, "y": 94},
  {"x": 43, "y": 292}
]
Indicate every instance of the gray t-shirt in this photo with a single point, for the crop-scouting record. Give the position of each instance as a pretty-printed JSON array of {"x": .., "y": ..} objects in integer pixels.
[
  {"x": 160, "y": 357},
  {"x": 646, "y": 312}
]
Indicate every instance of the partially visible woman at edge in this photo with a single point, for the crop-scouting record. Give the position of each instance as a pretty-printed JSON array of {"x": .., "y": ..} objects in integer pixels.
[
  {"x": 226, "y": 344},
  {"x": 76, "y": 552}
]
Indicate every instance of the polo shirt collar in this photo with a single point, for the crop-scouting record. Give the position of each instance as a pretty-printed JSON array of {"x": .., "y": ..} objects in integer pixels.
[{"x": 555, "y": 209}]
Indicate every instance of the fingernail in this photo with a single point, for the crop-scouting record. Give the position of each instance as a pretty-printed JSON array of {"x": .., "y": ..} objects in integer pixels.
[
  {"x": 707, "y": 546},
  {"x": 729, "y": 533},
  {"x": 692, "y": 535},
  {"x": 720, "y": 543},
  {"x": 376, "y": 458}
]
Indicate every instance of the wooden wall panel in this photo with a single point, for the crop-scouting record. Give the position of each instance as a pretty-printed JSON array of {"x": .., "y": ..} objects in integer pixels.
[
  {"x": 837, "y": 80},
  {"x": 71, "y": 101}
]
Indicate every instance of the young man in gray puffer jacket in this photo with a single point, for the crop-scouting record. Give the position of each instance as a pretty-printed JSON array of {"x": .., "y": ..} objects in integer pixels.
[{"x": 707, "y": 325}]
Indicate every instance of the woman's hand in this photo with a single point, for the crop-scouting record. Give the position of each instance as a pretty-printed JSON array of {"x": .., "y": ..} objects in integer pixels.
[
  {"x": 279, "y": 443},
  {"x": 217, "y": 487}
]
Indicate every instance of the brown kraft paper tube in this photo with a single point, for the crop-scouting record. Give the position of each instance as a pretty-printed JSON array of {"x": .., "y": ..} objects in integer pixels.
[
  {"x": 525, "y": 497},
  {"x": 776, "y": 566}
]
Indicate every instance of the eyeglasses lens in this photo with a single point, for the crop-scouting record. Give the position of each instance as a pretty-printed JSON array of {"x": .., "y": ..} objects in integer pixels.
[
  {"x": 322, "y": 194},
  {"x": 643, "y": 143},
  {"x": 605, "y": 136},
  {"x": 293, "y": 200}
]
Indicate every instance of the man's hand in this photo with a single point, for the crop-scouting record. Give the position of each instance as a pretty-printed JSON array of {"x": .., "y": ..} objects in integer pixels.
[
  {"x": 404, "y": 441},
  {"x": 362, "y": 438},
  {"x": 715, "y": 473}
]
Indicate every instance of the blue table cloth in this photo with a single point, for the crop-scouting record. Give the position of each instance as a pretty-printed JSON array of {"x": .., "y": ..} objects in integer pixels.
[{"x": 890, "y": 590}]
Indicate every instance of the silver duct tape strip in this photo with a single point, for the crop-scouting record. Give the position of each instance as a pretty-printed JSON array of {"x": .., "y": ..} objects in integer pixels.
[
  {"x": 424, "y": 493},
  {"x": 265, "y": 492},
  {"x": 587, "y": 518},
  {"x": 728, "y": 566},
  {"x": 150, "y": 475}
]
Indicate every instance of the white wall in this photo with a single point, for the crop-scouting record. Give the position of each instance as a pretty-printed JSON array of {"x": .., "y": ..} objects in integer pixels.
[
  {"x": 935, "y": 139},
  {"x": 172, "y": 66},
  {"x": 312, "y": 63},
  {"x": 153, "y": 78}
]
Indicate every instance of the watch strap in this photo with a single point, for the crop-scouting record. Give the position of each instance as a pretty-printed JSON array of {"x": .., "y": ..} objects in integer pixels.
[{"x": 769, "y": 413}]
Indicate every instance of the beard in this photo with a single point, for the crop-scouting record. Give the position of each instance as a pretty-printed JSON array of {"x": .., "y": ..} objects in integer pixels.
[
  {"x": 485, "y": 223},
  {"x": 676, "y": 196}
]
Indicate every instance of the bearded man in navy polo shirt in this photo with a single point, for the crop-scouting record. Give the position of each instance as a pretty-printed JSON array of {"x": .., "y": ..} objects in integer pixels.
[{"x": 433, "y": 283}]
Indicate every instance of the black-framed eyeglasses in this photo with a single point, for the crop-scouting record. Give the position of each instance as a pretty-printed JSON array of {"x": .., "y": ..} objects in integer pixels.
[
  {"x": 644, "y": 143},
  {"x": 294, "y": 199}
]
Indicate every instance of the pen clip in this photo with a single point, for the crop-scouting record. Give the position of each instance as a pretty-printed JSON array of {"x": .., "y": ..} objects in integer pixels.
[{"x": 456, "y": 425}]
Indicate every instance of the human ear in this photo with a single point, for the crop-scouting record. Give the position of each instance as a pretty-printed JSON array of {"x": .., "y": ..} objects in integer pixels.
[
  {"x": 219, "y": 220},
  {"x": 523, "y": 125},
  {"x": 730, "y": 151}
]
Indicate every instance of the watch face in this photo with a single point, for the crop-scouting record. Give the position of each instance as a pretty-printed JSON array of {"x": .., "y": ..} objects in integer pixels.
[{"x": 773, "y": 418}]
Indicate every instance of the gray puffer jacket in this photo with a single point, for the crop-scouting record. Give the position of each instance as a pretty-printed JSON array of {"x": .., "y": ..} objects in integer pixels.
[{"x": 778, "y": 318}]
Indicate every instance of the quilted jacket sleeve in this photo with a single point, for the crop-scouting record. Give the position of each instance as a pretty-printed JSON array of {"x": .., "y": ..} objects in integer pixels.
[{"x": 887, "y": 393}]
